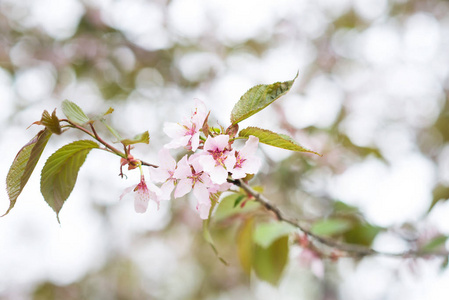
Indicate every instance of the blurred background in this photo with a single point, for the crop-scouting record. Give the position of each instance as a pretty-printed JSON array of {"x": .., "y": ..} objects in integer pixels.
[{"x": 371, "y": 96}]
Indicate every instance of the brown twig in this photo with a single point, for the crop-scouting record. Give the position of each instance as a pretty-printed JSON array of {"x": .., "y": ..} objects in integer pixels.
[
  {"x": 107, "y": 145},
  {"x": 148, "y": 164},
  {"x": 94, "y": 135},
  {"x": 351, "y": 249}
]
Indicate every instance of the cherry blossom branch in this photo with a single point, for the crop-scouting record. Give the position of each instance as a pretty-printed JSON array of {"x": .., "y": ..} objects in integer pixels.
[
  {"x": 94, "y": 135},
  {"x": 351, "y": 249},
  {"x": 216, "y": 164},
  {"x": 107, "y": 145}
]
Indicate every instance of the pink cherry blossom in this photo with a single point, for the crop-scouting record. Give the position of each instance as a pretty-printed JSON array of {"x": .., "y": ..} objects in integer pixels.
[
  {"x": 310, "y": 259},
  {"x": 165, "y": 173},
  {"x": 144, "y": 192},
  {"x": 246, "y": 162},
  {"x": 187, "y": 133},
  {"x": 191, "y": 176},
  {"x": 216, "y": 157}
]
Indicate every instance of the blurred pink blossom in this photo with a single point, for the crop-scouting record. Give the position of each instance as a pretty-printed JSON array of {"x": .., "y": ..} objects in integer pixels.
[{"x": 311, "y": 260}]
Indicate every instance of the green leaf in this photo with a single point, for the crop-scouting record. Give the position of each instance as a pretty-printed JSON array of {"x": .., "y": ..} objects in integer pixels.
[
  {"x": 60, "y": 171},
  {"x": 23, "y": 165},
  {"x": 140, "y": 138},
  {"x": 440, "y": 192},
  {"x": 245, "y": 244},
  {"x": 239, "y": 200},
  {"x": 51, "y": 122},
  {"x": 344, "y": 208},
  {"x": 102, "y": 119},
  {"x": 257, "y": 98},
  {"x": 362, "y": 234},
  {"x": 434, "y": 244},
  {"x": 274, "y": 139},
  {"x": 226, "y": 208},
  {"x": 269, "y": 263},
  {"x": 74, "y": 113},
  {"x": 330, "y": 227},
  {"x": 266, "y": 233}
]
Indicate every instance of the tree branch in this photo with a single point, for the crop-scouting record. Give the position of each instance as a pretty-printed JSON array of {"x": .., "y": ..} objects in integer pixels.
[{"x": 351, "y": 249}]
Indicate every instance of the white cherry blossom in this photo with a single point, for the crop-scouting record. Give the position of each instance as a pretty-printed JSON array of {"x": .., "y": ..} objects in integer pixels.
[
  {"x": 144, "y": 192},
  {"x": 164, "y": 173},
  {"x": 187, "y": 133},
  {"x": 216, "y": 157},
  {"x": 246, "y": 162},
  {"x": 191, "y": 176}
]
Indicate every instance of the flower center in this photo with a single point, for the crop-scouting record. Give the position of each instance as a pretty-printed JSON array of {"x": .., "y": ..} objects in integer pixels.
[
  {"x": 239, "y": 160},
  {"x": 219, "y": 156},
  {"x": 196, "y": 176},
  {"x": 141, "y": 187},
  {"x": 191, "y": 130}
]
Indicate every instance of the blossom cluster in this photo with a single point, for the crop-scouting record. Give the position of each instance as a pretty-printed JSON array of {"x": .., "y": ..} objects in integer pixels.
[{"x": 204, "y": 171}]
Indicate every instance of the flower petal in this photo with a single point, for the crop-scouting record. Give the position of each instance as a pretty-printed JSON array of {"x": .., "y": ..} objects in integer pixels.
[
  {"x": 218, "y": 174},
  {"x": 153, "y": 188},
  {"x": 238, "y": 173},
  {"x": 199, "y": 113},
  {"x": 195, "y": 141},
  {"x": 167, "y": 162},
  {"x": 207, "y": 162},
  {"x": 141, "y": 199},
  {"x": 250, "y": 146},
  {"x": 159, "y": 174},
  {"x": 174, "y": 130},
  {"x": 252, "y": 165},
  {"x": 219, "y": 142},
  {"x": 203, "y": 209},
  {"x": 166, "y": 189},
  {"x": 201, "y": 193},
  {"x": 230, "y": 161},
  {"x": 215, "y": 188},
  {"x": 127, "y": 190},
  {"x": 200, "y": 107},
  {"x": 183, "y": 170},
  {"x": 183, "y": 187},
  {"x": 178, "y": 142}
]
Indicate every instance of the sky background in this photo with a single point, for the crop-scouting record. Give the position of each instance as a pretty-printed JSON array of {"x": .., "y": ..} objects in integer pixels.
[{"x": 371, "y": 95}]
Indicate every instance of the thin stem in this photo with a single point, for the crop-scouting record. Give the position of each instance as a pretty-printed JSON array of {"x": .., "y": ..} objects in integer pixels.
[
  {"x": 355, "y": 250},
  {"x": 98, "y": 138},
  {"x": 109, "y": 147},
  {"x": 148, "y": 164},
  {"x": 94, "y": 135},
  {"x": 79, "y": 127}
]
